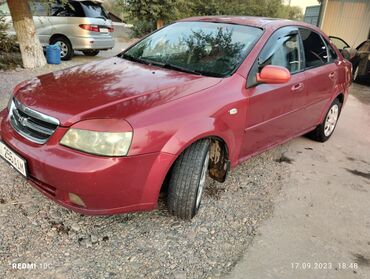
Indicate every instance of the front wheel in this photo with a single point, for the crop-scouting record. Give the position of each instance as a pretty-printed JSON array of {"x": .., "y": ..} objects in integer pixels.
[
  {"x": 188, "y": 180},
  {"x": 324, "y": 131}
]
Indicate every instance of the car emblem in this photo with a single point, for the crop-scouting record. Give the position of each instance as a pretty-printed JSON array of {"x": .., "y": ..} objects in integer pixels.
[{"x": 23, "y": 121}]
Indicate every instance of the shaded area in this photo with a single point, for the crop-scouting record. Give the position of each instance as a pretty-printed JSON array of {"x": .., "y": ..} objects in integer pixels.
[
  {"x": 360, "y": 173},
  {"x": 361, "y": 91},
  {"x": 284, "y": 159},
  {"x": 361, "y": 260}
]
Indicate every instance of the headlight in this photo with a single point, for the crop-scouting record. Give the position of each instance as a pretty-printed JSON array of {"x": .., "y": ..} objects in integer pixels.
[{"x": 98, "y": 143}]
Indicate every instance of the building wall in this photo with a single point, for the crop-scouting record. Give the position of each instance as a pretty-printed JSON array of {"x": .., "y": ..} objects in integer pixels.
[{"x": 347, "y": 19}]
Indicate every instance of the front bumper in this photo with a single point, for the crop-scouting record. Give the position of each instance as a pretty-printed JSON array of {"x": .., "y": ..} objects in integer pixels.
[{"x": 106, "y": 185}]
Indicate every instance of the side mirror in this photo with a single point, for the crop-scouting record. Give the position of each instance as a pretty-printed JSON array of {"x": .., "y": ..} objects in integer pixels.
[{"x": 273, "y": 74}]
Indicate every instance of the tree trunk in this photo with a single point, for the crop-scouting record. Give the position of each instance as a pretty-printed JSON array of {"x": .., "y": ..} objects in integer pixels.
[
  {"x": 31, "y": 49},
  {"x": 160, "y": 23}
]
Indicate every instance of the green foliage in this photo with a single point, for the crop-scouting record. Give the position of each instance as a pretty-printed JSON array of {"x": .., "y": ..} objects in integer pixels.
[
  {"x": 152, "y": 10},
  {"x": 144, "y": 14}
]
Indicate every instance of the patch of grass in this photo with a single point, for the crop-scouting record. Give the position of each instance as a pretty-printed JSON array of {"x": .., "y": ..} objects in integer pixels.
[{"x": 10, "y": 56}]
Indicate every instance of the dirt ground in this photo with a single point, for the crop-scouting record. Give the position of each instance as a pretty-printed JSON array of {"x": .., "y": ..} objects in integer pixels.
[{"x": 321, "y": 223}]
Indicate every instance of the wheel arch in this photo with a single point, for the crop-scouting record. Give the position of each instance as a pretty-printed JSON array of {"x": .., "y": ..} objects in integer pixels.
[{"x": 57, "y": 35}]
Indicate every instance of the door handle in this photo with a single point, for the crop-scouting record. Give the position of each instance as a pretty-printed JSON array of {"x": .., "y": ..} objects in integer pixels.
[
  {"x": 297, "y": 87},
  {"x": 332, "y": 75}
]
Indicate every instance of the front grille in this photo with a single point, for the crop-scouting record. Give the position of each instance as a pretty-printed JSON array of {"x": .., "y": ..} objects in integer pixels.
[{"x": 30, "y": 124}]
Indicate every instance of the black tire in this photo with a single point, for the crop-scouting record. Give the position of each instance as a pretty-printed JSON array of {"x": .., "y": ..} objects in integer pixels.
[
  {"x": 320, "y": 134},
  {"x": 185, "y": 181},
  {"x": 91, "y": 52},
  {"x": 66, "y": 52}
]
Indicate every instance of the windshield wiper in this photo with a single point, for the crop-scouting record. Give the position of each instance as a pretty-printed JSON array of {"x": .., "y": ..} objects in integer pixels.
[
  {"x": 169, "y": 66},
  {"x": 134, "y": 59},
  {"x": 174, "y": 67},
  {"x": 186, "y": 70}
]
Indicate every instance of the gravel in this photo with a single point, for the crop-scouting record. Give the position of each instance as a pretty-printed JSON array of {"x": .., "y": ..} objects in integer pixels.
[{"x": 65, "y": 244}]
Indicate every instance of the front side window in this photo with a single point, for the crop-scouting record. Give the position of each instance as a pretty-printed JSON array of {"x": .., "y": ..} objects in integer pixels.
[
  {"x": 282, "y": 49},
  {"x": 314, "y": 48},
  {"x": 207, "y": 48}
]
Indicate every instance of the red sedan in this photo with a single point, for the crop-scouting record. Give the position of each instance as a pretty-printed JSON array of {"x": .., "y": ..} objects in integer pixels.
[{"x": 186, "y": 102}]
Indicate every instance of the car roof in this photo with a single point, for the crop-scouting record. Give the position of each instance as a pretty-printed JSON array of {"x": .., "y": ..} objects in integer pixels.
[{"x": 262, "y": 22}]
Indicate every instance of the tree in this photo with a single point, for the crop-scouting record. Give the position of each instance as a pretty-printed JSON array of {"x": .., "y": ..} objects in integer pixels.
[
  {"x": 158, "y": 11},
  {"x": 30, "y": 46}
]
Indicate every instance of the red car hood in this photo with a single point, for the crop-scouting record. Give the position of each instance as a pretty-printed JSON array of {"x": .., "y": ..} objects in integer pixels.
[{"x": 111, "y": 88}]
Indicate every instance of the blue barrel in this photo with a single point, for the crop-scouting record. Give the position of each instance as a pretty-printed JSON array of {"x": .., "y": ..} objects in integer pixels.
[{"x": 53, "y": 54}]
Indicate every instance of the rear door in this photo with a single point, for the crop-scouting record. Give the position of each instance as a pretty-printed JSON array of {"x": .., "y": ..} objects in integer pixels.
[
  {"x": 321, "y": 72},
  {"x": 270, "y": 115}
]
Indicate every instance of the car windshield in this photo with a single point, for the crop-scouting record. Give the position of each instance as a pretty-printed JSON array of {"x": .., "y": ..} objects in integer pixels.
[
  {"x": 205, "y": 48},
  {"x": 92, "y": 9}
]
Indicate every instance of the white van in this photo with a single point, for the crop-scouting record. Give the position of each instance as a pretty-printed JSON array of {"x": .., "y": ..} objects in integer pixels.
[{"x": 78, "y": 25}]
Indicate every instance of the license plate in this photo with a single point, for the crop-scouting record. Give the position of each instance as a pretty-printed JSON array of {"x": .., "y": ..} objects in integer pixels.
[
  {"x": 104, "y": 30},
  {"x": 13, "y": 159}
]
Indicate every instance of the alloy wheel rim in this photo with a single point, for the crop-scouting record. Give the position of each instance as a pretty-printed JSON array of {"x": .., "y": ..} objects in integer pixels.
[
  {"x": 331, "y": 120},
  {"x": 202, "y": 181},
  {"x": 63, "y": 49}
]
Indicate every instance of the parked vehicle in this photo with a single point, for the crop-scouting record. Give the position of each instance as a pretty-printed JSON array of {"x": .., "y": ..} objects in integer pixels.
[
  {"x": 77, "y": 25},
  {"x": 359, "y": 57},
  {"x": 189, "y": 101}
]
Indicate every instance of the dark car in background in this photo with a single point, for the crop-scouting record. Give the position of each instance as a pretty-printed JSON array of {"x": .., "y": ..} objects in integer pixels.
[{"x": 359, "y": 57}]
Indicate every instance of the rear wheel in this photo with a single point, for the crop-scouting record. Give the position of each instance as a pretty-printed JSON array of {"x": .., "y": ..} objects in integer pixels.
[
  {"x": 188, "y": 180},
  {"x": 66, "y": 50},
  {"x": 324, "y": 131},
  {"x": 91, "y": 52}
]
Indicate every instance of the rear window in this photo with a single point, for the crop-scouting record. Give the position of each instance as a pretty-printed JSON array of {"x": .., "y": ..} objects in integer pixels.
[{"x": 92, "y": 9}]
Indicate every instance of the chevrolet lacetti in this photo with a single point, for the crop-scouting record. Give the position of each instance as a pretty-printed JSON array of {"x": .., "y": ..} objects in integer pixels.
[{"x": 189, "y": 101}]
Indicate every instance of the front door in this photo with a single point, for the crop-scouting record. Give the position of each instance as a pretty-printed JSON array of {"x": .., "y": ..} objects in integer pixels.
[{"x": 270, "y": 115}]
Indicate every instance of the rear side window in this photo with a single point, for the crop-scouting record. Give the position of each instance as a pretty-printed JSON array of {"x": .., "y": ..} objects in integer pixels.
[
  {"x": 71, "y": 9},
  {"x": 92, "y": 9},
  {"x": 39, "y": 8},
  {"x": 332, "y": 54},
  {"x": 314, "y": 48}
]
